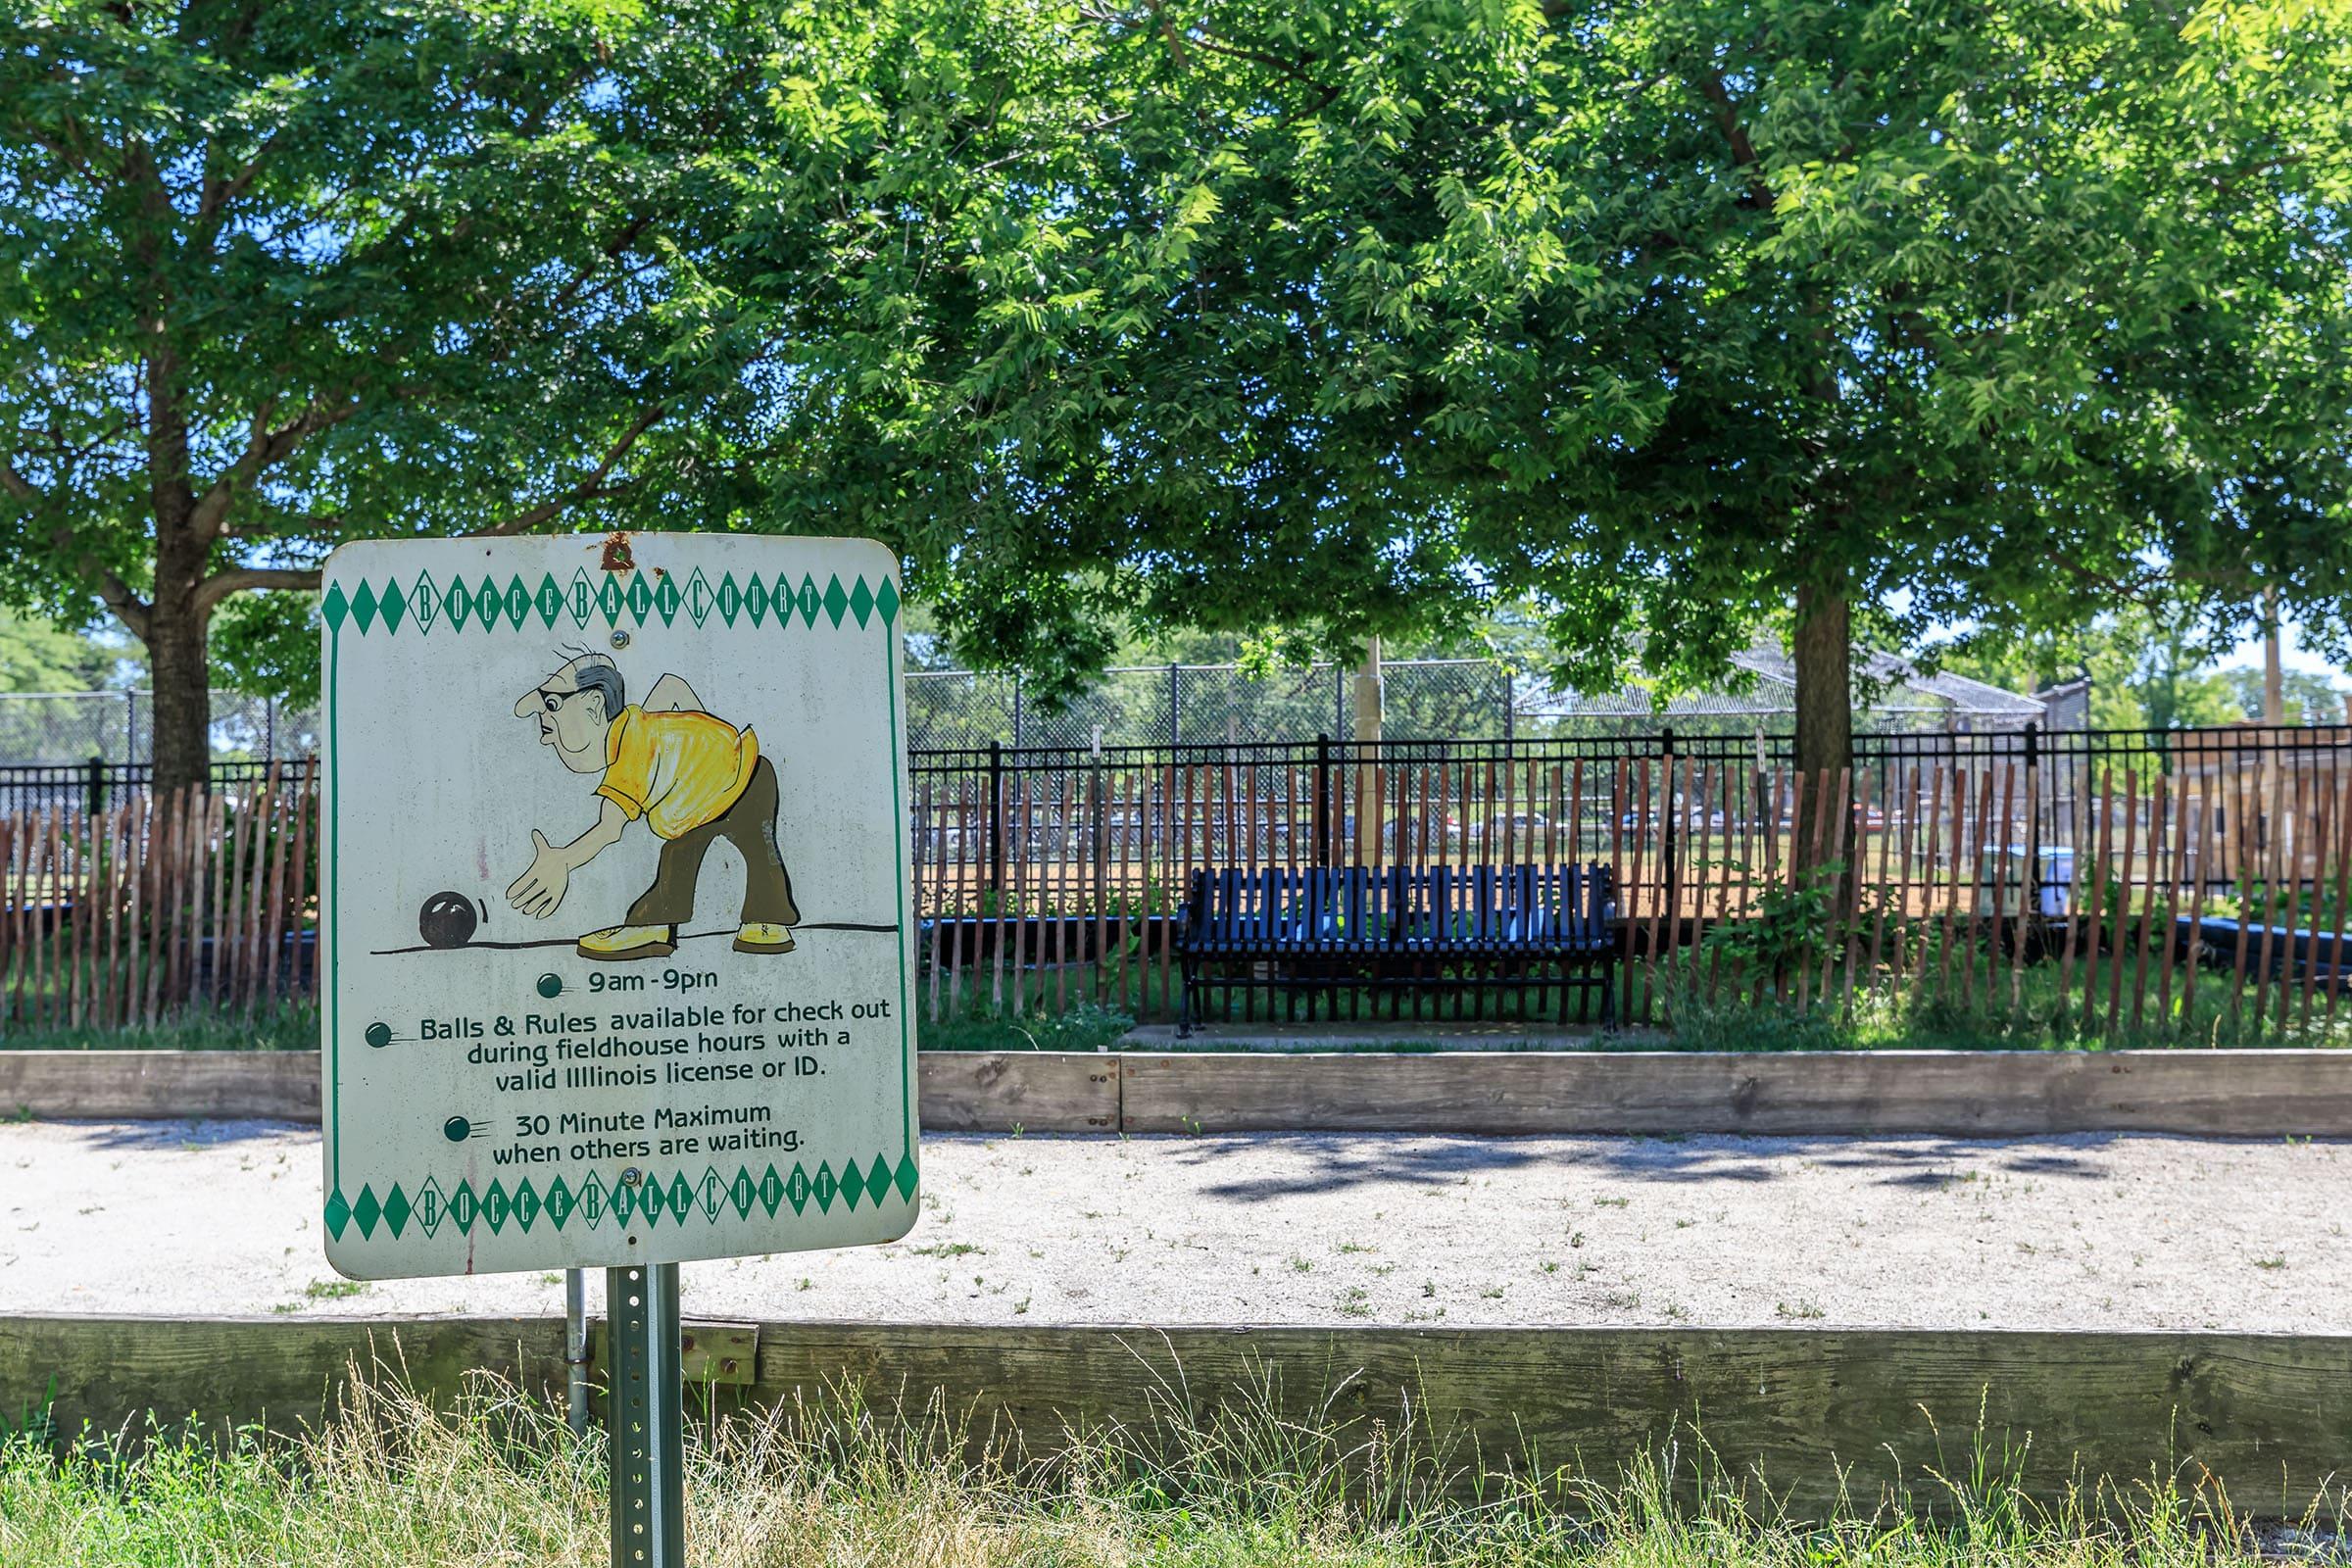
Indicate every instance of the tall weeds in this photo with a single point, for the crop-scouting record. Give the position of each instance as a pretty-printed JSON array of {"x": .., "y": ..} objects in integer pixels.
[{"x": 495, "y": 1479}]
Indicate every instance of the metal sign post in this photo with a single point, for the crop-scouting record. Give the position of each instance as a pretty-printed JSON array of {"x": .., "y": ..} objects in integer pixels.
[
  {"x": 648, "y": 1417},
  {"x": 616, "y": 933},
  {"x": 575, "y": 1350}
]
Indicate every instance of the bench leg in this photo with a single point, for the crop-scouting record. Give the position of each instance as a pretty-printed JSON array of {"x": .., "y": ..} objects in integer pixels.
[
  {"x": 1184, "y": 1005},
  {"x": 1608, "y": 995}
]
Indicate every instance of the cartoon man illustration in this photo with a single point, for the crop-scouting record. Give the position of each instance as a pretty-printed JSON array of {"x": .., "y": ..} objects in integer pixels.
[{"x": 693, "y": 777}]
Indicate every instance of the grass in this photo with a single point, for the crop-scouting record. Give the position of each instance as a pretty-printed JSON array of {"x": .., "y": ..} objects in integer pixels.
[
  {"x": 295, "y": 1027},
  {"x": 2038, "y": 1019},
  {"x": 1926, "y": 1017},
  {"x": 493, "y": 1478},
  {"x": 291, "y": 1027},
  {"x": 980, "y": 1026}
]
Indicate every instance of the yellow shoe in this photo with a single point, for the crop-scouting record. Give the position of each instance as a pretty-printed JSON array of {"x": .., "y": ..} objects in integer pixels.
[
  {"x": 763, "y": 936},
  {"x": 617, "y": 941}
]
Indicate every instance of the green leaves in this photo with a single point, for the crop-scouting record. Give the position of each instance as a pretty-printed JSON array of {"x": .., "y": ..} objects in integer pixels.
[{"x": 1356, "y": 317}]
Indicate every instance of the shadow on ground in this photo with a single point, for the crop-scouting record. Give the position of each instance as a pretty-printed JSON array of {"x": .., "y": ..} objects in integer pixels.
[
  {"x": 1338, "y": 1161},
  {"x": 162, "y": 1137}
]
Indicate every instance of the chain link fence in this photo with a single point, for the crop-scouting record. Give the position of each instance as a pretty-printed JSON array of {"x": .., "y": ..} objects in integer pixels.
[
  {"x": 118, "y": 728},
  {"x": 1421, "y": 700},
  {"x": 1207, "y": 705},
  {"x": 1154, "y": 704}
]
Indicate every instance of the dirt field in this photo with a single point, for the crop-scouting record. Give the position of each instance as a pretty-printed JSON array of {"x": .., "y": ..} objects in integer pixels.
[{"x": 2104, "y": 1231}]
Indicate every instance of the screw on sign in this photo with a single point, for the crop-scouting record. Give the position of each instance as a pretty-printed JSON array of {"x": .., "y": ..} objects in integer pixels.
[{"x": 554, "y": 1030}]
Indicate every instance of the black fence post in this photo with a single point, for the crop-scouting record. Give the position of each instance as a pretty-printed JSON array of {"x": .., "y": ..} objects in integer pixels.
[
  {"x": 1673, "y": 876},
  {"x": 1323, "y": 800},
  {"x": 996, "y": 815},
  {"x": 97, "y": 787},
  {"x": 2033, "y": 909}
]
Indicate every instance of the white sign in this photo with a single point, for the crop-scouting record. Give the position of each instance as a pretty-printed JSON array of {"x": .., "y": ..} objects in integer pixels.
[{"x": 618, "y": 954}]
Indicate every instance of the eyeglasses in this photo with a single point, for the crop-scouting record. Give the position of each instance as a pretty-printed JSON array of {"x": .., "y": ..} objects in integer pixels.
[{"x": 556, "y": 700}]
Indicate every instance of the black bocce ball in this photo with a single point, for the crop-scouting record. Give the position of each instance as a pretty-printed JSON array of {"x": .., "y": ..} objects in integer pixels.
[{"x": 447, "y": 920}]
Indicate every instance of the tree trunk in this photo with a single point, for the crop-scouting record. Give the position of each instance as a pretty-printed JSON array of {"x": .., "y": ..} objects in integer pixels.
[
  {"x": 1364, "y": 693},
  {"x": 1823, "y": 653},
  {"x": 2274, "y": 673},
  {"x": 1364, "y": 720},
  {"x": 182, "y": 677}
]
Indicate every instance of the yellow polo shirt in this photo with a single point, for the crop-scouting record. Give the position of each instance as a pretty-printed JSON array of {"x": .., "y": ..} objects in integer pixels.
[{"x": 676, "y": 770}]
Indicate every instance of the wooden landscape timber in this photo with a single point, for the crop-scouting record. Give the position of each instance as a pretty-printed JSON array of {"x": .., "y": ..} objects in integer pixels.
[
  {"x": 1005, "y": 1091},
  {"x": 1819, "y": 1415},
  {"x": 108, "y": 1374},
  {"x": 1970, "y": 1094},
  {"x": 161, "y": 1084}
]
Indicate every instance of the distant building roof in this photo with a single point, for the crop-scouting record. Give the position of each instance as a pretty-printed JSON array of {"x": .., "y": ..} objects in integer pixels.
[{"x": 1888, "y": 687}]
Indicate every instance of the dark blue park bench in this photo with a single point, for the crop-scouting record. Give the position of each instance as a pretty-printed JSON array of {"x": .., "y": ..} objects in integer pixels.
[{"x": 1472, "y": 931}]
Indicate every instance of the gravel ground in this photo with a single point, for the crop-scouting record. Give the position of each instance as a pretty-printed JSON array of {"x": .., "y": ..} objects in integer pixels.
[{"x": 2091, "y": 1231}]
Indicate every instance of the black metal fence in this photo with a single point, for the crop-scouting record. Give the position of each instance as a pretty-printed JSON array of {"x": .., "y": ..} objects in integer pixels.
[
  {"x": 2070, "y": 761},
  {"x": 97, "y": 784},
  {"x": 1972, "y": 858},
  {"x": 1890, "y": 769}
]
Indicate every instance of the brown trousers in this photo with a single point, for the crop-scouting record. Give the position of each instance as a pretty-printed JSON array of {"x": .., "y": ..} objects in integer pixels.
[{"x": 749, "y": 824}]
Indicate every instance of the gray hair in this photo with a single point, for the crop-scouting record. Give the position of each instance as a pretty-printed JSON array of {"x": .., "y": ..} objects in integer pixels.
[{"x": 595, "y": 672}]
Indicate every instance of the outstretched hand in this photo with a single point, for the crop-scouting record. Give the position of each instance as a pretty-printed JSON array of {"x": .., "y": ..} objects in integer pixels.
[{"x": 539, "y": 890}]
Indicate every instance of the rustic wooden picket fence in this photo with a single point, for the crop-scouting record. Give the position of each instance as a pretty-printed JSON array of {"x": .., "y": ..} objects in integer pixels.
[
  {"x": 2206, "y": 900},
  {"x": 129, "y": 913}
]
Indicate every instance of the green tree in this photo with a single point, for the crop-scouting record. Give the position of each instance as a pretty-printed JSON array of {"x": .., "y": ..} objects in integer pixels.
[
  {"x": 2148, "y": 668},
  {"x": 1918, "y": 313},
  {"x": 1111, "y": 369},
  {"x": 1686, "y": 321},
  {"x": 2172, "y": 687},
  {"x": 1679, "y": 320},
  {"x": 292, "y": 274},
  {"x": 282, "y": 275},
  {"x": 40, "y": 656},
  {"x": 267, "y": 644},
  {"x": 2311, "y": 698}
]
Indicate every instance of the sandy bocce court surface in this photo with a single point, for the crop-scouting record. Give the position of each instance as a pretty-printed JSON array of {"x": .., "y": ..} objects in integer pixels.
[{"x": 2107, "y": 1231}]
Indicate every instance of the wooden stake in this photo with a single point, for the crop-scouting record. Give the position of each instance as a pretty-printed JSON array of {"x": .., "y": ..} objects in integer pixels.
[
  {"x": 1648, "y": 820},
  {"x": 2175, "y": 872},
  {"x": 2270, "y": 848},
  {"x": 2123, "y": 909},
  {"x": 52, "y": 884},
  {"x": 2288, "y": 855},
  {"x": 1769, "y": 832},
  {"x": 2239, "y": 837},
  {"x": 2317, "y": 815},
  {"x": 1097, "y": 785},
  {"x": 2029, "y": 905},
  {"x": 2198, "y": 821},
  {"x": 70, "y": 937},
  {"x": 1710, "y": 789},
  {"x": 2341, "y": 847},
  {"x": 1832, "y": 822},
  {"x": 7, "y": 910},
  {"x": 2105, "y": 806},
  {"x": 10, "y": 910},
  {"x": 1735, "y": 801},
  {"x": 306, "y": 809}
]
